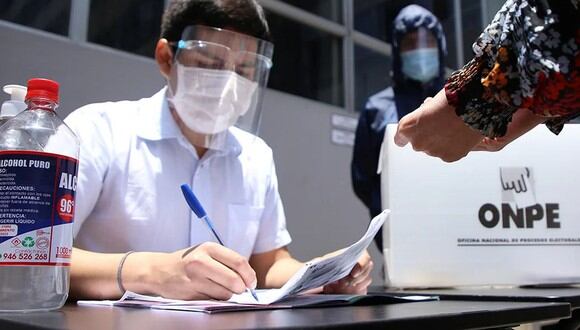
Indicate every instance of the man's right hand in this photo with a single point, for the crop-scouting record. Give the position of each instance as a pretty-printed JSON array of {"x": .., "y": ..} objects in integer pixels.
[{"x": 207, "y": 271}]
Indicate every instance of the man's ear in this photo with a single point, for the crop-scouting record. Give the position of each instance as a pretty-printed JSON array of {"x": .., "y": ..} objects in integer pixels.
[{"x": 164, "y": 57}]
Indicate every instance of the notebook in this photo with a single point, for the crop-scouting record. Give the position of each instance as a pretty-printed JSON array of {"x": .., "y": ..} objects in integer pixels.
[
  {"x": 134, "y": 300},
  {"x": 312, "y": 275}
]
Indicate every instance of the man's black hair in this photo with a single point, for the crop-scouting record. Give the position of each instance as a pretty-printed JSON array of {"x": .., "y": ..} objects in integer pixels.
[{"x": 244, "y": 16}]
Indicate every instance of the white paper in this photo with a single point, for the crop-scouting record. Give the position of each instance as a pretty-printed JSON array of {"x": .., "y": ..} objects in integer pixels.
[
  {"x": 135, "y": 300},
  {"x": 319, "y": 272},
  {"x": 130, "y": 296},
  {"x": 312, "y": 275}
]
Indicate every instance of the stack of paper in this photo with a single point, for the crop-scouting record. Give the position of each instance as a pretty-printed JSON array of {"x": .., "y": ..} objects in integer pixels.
[
  {"x": 312, "y": 275},
  {"x": 321, "y": 272},
  {"x": 131, "y": 299}
]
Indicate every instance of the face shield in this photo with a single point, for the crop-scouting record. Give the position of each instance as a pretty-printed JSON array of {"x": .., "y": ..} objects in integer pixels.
[
  {"x": 420, "y": 55},
  {"x": 217, "y": 81}
]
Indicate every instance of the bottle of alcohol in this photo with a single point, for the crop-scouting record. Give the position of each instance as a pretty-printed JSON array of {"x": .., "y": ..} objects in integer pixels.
[{"x": 38, "y": 169}]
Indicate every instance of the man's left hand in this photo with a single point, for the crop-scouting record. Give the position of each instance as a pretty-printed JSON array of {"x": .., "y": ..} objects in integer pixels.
[{"x": 357, "y": 281}]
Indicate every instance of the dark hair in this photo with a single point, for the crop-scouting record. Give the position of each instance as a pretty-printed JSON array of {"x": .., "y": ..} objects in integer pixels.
[{"x": 244, "y": 16}]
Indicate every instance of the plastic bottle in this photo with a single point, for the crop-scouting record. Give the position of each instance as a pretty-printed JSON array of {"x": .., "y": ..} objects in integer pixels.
[
  {"x": 16, "y": 103},
  {"x": 38, "y": 172}
]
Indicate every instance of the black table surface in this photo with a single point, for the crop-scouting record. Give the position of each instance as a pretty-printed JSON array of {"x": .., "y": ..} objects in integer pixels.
[
  {"x": 570, "y": 294},
  {"x": 428, "y": 314}
]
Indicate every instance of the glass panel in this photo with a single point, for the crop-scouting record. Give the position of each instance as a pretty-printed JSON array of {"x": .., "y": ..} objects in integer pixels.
[
  {"x": 443, "y": 9},
  {"x": 493, "y": 6},
  {"x": 372, "y": 74},
  {"x": 329, "y": 9},
  {"x": 130, "y": 25},
  {"x": 307, "y": 62},
  {"x": 48, "y": 15},
  {"x": 471, "y": 26},
  {"x": 374, "y": 17}
]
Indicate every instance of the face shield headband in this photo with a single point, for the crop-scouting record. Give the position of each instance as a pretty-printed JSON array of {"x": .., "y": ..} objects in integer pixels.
[{"x": 217, "y": 81}]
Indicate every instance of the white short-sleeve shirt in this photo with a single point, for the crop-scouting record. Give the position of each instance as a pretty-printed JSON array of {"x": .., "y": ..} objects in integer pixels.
[{"x": 133, "y": 161}]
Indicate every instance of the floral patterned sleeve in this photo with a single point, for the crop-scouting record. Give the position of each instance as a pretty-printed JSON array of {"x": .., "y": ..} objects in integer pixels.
[{"x": 528, "y": 58}]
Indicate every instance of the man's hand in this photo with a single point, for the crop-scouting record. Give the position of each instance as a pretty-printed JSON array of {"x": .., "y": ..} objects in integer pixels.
[
  {"x": 357, "y": 281},
  {"x": 207, "y": 271},
  {"x": 435, "y": 129}
]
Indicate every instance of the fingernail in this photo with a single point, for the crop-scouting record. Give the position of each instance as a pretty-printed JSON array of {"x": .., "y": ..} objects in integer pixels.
[
  {"x": 400, "y": 140},
  {"x": 254, "y": 284}
]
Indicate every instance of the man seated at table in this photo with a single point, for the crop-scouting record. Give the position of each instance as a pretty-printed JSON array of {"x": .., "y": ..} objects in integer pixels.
[{"x": 135, "y": 155}]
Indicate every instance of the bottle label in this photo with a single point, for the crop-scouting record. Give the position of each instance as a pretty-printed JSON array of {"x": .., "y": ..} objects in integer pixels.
[{"x": 37, "y": 203}]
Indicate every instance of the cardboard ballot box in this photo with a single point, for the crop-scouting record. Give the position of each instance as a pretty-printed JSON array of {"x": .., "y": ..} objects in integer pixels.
[{"x": 493, "y": 218}]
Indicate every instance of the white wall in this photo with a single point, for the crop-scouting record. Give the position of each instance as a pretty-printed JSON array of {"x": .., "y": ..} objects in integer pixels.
[
  {"x": 314, "y": 178},
  {"x": 323, "y": 212}
]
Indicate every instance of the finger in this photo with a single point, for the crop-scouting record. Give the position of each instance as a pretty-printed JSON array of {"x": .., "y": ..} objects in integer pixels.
[
  {"x": 200, "y": 288},
  {"x": 214, "y": 290},
  {"x": 363, "y": 276},
  {"x": 184, "y": 294},
  {"x": 198, "y": 296},
  {"x": 400, "y": 139},
  {"x": 361, "y": 265},
  {"x": 407, "y": 128},
  {"x": 235, "y": 262},
  {"x": 216, "y": 271},
  {"x": 452, "y": 157},
  {"x": 356, "y": 270},
  {"x": 427, "y": 100},
  {"x": 480, "y": 147},
  {"x": 329, "y": 288},
  {"x": 362, "y": 287},
  {"x": 336, "y": 287},
  {"x": 343, "y": 286},
  {"x": 317, "y": 290},
  {"x": 484, "y": 145}
]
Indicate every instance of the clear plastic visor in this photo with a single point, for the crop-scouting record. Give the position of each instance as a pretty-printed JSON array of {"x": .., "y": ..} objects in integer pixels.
[
  {"x": 416, "y": 39},
  {"x": 219, "y": 49},
  {"x": 226, "y": 72}
]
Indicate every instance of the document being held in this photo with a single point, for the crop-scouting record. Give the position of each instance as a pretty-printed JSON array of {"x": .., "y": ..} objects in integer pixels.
[
  {"x": 317, "y": 273},
  {"x": 314, "y": 274}
]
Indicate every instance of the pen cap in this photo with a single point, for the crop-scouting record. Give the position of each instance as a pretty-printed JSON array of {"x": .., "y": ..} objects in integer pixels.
[{"x": 193, "y": 201}]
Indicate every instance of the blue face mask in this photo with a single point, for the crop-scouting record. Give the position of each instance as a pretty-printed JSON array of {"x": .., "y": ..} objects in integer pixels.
[{"x": 421, "y": 64}]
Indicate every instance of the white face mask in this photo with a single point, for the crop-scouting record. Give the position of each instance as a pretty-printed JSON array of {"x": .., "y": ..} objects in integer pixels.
[
  {"x": 210, "y": 101},
  {"x": 421, "y": 64}
]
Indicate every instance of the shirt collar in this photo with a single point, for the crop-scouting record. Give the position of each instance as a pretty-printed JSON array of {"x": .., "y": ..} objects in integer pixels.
[{"x": 155, "y": 123}]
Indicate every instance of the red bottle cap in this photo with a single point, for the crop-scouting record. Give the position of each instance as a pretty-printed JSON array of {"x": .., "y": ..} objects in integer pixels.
[{"x": 40, "y": 87}]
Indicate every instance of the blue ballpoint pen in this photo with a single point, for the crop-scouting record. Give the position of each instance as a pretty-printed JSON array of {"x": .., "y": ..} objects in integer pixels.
[{"x": 199, "y": 211}]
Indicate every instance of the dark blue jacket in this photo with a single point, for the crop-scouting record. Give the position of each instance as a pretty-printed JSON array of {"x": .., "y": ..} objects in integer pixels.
[{"x": 388, "y": 106}]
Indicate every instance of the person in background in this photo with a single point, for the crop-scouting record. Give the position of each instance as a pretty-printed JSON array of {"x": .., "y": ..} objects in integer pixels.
[
  {"x": 418, "y": 49},
  {"x": 135, "y": 155},
  {"x": 525, "y": 72}
]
